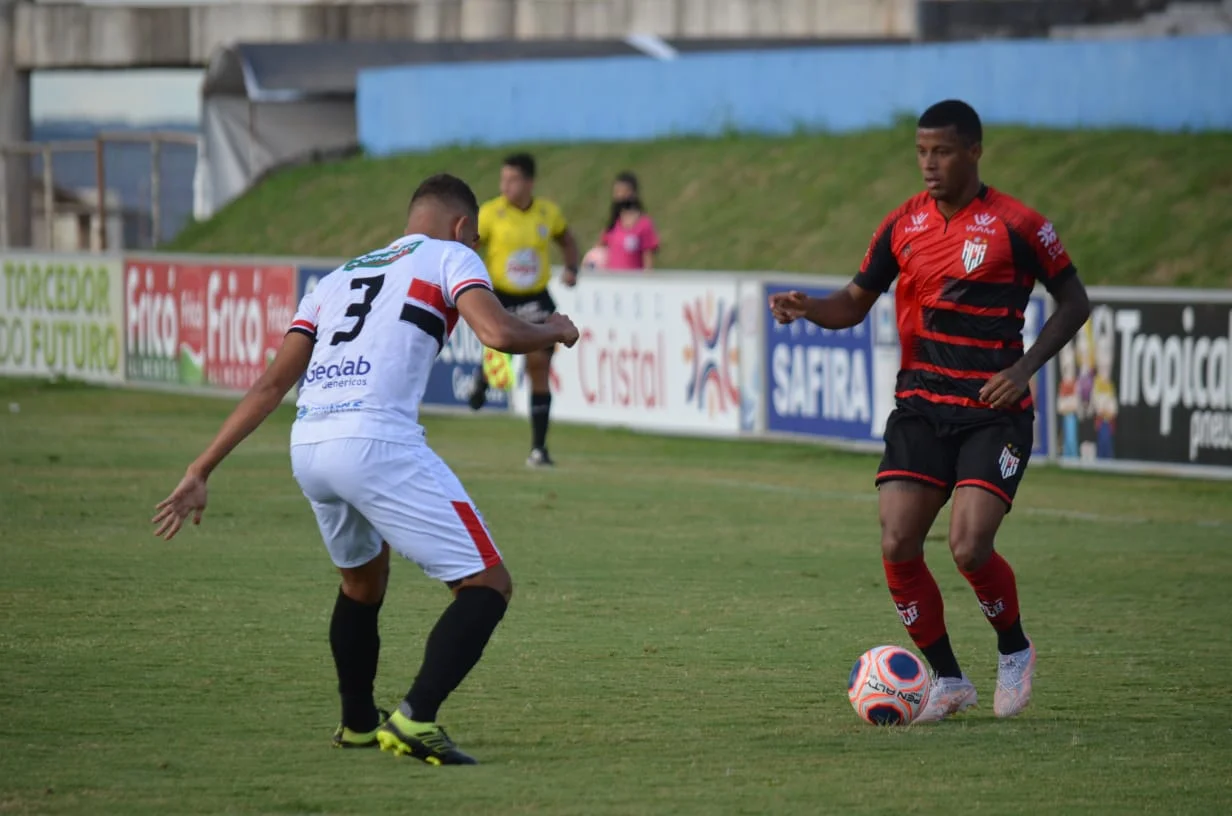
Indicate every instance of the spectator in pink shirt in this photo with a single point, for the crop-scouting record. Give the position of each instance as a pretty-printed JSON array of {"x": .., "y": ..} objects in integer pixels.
[{"x": 630, "y": 240}]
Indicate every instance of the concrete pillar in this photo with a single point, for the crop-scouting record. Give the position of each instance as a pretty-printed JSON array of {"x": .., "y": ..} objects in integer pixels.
[
  {"x": 14, "y": 127},
  {"x": 488, "y": 19}
]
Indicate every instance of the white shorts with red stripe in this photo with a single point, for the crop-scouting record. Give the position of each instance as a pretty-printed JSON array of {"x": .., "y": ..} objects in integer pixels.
[{"x": 364, "y": 491}]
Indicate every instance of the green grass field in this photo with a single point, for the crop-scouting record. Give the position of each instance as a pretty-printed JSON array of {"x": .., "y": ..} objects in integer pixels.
[
  {"x": 1132, "y": 207},
  {"x": 686, "y": 615}
]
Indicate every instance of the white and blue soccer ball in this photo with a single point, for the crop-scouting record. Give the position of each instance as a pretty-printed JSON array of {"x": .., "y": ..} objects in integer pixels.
[{"x": 888, "y": 685}]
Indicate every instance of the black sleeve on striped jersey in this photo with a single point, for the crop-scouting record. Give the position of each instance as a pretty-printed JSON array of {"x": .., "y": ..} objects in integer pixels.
[
  {"x": 881, "y": 267},
  {"x": 311, "y": 335},
  {"x": 1026, "y": 262},
  {"x": 468, "y": 287}
]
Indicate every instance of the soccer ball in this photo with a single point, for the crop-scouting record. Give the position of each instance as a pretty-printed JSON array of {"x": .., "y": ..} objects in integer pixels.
[{"x": 888, "y": 686}]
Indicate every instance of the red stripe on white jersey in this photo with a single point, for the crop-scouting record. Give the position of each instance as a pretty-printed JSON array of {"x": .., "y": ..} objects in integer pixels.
[
  {"x": 453, "y": 293},
  {"x": 300, "y": 323},
  {"x": 428, "y": 293},
  {"x": 478, "y": 534}
]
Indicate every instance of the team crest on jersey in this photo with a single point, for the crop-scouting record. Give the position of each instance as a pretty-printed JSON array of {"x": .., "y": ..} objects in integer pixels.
[
  {"x": 1009, "y": 462},
  {"x": 973, "y": 253},
  {"x": 543, "y": 230}
]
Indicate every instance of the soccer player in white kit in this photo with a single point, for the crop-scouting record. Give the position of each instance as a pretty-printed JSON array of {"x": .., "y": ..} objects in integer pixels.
[{"x": 364, "y": 342}]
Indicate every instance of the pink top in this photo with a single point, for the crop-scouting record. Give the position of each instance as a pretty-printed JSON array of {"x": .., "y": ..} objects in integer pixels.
[{"x": 626, "y": 245}]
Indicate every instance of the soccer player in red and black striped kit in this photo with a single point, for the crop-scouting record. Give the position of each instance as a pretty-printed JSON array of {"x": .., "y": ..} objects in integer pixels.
[{"x": 966, "y": 258}]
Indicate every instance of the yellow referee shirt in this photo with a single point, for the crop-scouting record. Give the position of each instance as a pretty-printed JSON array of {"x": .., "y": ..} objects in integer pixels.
[{"x": 517, "y": 244}]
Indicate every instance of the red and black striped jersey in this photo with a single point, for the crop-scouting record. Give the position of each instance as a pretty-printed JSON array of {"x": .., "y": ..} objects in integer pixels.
[{"x": 963, "y": 288}]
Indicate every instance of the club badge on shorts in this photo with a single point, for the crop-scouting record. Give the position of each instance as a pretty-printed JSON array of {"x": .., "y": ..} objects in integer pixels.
[{"x": 1008, "y": 462}]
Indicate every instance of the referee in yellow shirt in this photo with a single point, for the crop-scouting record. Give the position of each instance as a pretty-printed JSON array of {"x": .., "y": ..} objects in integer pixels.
[{"x": 517, "y": 230}]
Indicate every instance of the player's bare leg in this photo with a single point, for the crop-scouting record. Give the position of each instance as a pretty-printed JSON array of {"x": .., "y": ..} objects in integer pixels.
[
  {"x": 355, "y": 642},
  {"x": 908, "y": 510},
  {"x": 454, "y": 647},
  {"x": 538, "y": 370},
  {"x": 976, "y": 517}
]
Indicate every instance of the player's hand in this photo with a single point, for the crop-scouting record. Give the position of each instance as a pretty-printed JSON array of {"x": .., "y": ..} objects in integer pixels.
[
  {"x": 788, "y": 306},
  {"x": 569, "y": 278},
  {"x": 1006, "y": 389},
  {"x": 566, "y": 332},
  {"x": 188, "y": 499}
]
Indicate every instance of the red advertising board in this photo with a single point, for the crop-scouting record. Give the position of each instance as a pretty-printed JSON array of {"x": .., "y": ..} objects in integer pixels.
[
  {"x": 247, "y": 311},
  {"x": 164, "y": 319},
  {"x": 194, "y": 324}
]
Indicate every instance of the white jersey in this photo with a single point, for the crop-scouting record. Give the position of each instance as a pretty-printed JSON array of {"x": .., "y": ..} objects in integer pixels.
[{"x": 379, "y": 322}]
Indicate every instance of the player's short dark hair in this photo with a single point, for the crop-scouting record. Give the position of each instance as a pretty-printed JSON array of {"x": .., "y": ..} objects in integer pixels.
[
  {"x": 956, "y": 114},
  {"x": 524, "y": 163},
  {"x": 449, "y": 190}
]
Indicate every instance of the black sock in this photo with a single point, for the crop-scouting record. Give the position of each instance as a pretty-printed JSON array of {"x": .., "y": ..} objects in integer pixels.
[
  {"x": 540, "y": 408},
  {"x": 356, "y": 643},
  {"x": 940, "y": 655},
  {"x": 1012, "y": 639},
  {"x": 454, "y": 647},
  {"x": 480, "y": 382}
]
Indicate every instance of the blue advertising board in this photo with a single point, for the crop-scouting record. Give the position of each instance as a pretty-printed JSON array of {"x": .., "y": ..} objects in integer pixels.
[
  {"x": 449, "y": 383},
  {"x": 820, "y": 382},
  {"x": 840, "y": 384}
]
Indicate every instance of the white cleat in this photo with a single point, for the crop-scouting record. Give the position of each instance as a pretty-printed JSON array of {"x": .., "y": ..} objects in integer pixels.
[
  {"x": 1014, "y": 675},
  {"x": 946, "y": 696},
  {"x": 539, "y": 459}
]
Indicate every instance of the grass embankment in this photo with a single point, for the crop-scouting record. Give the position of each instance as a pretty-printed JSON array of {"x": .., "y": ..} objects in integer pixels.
[{"x": 1133, "y": 208}]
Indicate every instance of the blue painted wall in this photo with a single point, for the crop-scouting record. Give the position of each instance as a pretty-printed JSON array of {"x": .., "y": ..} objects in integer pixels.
[{"x": 1159, "y": 84}]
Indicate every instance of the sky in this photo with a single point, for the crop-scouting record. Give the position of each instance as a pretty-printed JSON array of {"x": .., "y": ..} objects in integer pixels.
[{"x": 137, "y": 97}]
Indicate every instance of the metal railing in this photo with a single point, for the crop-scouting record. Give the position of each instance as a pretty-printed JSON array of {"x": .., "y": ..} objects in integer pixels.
[{"x": 48, "y": 149}]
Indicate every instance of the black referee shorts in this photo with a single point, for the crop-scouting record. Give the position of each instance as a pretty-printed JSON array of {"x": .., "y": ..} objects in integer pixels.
[
  {"x": 991, "y": 455},
  {"x": 533, "y": 308}
]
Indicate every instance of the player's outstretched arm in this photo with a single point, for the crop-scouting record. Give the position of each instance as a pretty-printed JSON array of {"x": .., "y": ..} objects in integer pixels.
[
  {"x": 838, "y": 310},
  {"x": 189, "y": 497},
  {"x": 497, "y": 329}
]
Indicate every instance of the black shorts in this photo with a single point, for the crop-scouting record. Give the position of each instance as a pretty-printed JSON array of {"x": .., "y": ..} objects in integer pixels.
[
  {"x": 533, "y": 308},
  {"x": 991, "y": 455}
]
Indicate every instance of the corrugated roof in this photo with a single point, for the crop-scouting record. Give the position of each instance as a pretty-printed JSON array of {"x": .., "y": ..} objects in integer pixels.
[{"x": 289, "y": 71}]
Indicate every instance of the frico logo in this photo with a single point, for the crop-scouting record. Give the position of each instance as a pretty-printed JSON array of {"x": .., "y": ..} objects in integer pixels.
[
  {"x": 343, "y": 374},
  {"x": 1171, "y": 371},
  {"x": 247, "y": 313},
  {"x": 973, "y": 253},
  {"x": 713, "y": 355},
  {"x": 919, "y": 223},
  {"x": 983, "y": 224},
  {"x": 1008, "y": 462},
  {"x": 1048, "y": 239},
  {"x": 165, "y": 311}
]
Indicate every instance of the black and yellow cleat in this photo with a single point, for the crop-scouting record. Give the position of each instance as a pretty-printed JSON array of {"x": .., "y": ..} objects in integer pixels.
[
  {"x": 426, "y": 742},
  {"x": 346, "y": 738}
]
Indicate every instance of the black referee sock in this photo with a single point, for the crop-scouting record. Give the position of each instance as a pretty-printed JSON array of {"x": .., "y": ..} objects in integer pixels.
[
  {"x": 454, "y": 647},
  {"x": 540, "y": 408},
  {"x": 356, "y": 644}
]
